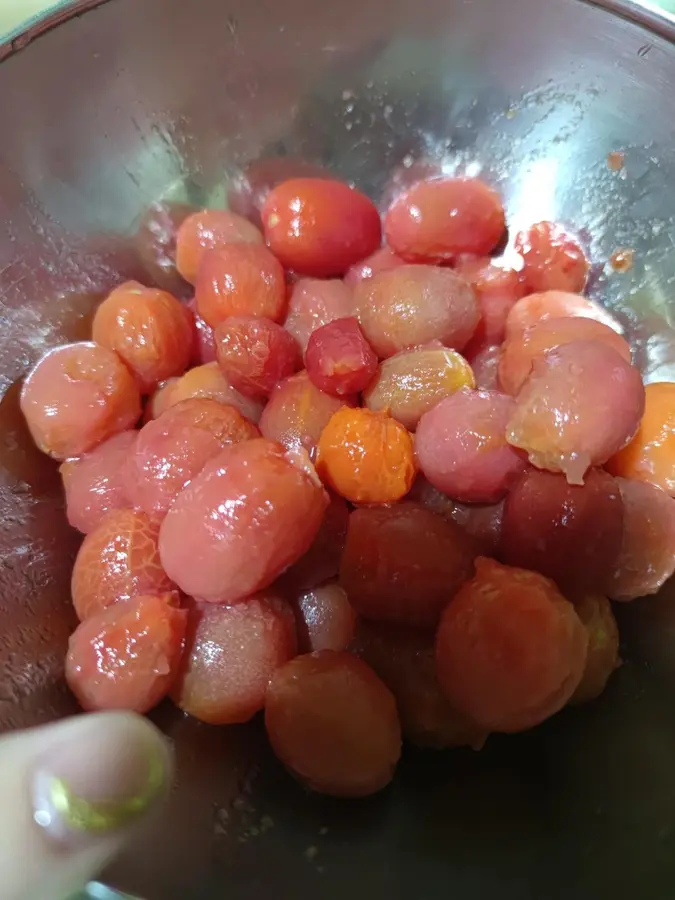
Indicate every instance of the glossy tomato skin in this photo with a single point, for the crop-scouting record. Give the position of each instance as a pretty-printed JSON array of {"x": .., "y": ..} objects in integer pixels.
[
  {"x": 497, "y": 289},
  {"x": 379, "y": 261},
  {"x": 118, "y": 560},
  {"x": 571, "y": 533},
  {"x": 255, "y": 354},
  {"x": 554, "y": 260},
  {"x": 148, "y": 329},
  {"x": 127, "y": 656},
  {"x": 231, "y": 652},
  {"x": 320, "y": 227},
  {"x": 339, "y": 359},
  {"x": 541, "y": 307},
  {"x": 209, "y": 229},
  {"x": 325, "y": 619},
  {"x": 76, "y": 397},
  {"x": 437, "y": 220},
  {"x": 173, "y": 448},
  {"x": 315, "y": 302},
  {"x": 207, "y": 381},
  {"x": 94, "y": 483},
  {"x": 248, "y": 192},
  {"x": 254, "y": 499}
]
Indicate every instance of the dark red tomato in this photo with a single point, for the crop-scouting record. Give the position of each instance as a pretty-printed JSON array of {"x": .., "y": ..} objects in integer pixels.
[
  {"x": 320, "y": 227},
  {"x": 255, "y": 354},
  {"x": 248, "y": 191},
  {"x": 334, "y": 724},
  {"x": 436, "y": 221},
  {"x": 554, "y": 260},
  {"x": 404, "y": 660},
  {"x": 127, "y": 656},
  {"x": 155, "y": 241},
  {"x": 402, "y": 564},
  {"x": 240, "y": 280},
  {"x": 339, "y": 359},
  {"x": 572, "y": 533},
  {"x": 379, "y": 261},
  {"x": 322, "y": 560}
]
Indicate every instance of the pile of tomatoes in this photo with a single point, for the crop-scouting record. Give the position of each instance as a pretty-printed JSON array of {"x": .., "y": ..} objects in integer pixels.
[{"x": 355, "y": 472}]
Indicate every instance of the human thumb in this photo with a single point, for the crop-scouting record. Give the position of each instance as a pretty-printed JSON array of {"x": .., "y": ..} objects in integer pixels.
[{"x": 70, "y": 795}]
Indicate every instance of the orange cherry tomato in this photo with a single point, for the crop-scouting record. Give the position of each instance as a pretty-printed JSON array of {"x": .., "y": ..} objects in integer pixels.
[
  {"x": 320, "y": 227},
  {"x": 209, "y": 229},
  {"x": 367, "y": 457},
  {"x": 148, "y": 329},
  {"x": 650, "y": 456}
]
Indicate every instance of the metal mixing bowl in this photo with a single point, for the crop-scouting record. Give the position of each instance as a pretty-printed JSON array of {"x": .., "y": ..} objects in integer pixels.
[{"x": 137, "y": 100}]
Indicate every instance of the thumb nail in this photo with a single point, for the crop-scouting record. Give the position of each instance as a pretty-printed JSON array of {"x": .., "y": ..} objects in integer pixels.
[{"x": 104, "y": 775}]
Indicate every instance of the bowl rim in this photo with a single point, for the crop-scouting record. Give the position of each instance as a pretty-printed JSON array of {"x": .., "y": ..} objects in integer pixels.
[{"x": 641, "y": 12}]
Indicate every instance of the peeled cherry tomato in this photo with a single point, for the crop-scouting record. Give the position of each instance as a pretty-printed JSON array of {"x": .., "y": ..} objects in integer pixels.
[
  {"x": 404, "y": 660},
  {"x": 555, "y": 305},
  {"x": 205, "y": 381},
  {"x": 175, "y": 447},
  {"x": 209, "y": 229},
  {"x": 156, "y": 243},
  {"x": 339, "y": 359},
  {"x": 255, "y": 500},
  {"x": 255, "y": 354},
  {"x": 582, "y": 404},
  {"x": 94, "y": 484},
  {"x": 414, "y": 305},
  {"x": 322, "y": 560},
  {"x": 485, "y": 366},
  {"x": 497, "y": 289},
  {"x": 203, "y": 340},
  {"x": 520, "y": 350},
  {"x": 595, "y": 612},
  {"x": 646, "y": 559},
  {"x": 247, "y": 192},
  {"x": 297, "y": 413},
  {"x": 412, "y": 382},
  {"x": 379, "y": 261},
  {"x": 325, "y": 619},
  {"x": 127, "y": 656},
  {"x": 650, "y": 456},
  {"x": 439, "y": 219},
  {"x": 554, "y": 260},
  {"x": 334, "y": 724},
  {"x": 231, "y": 652},
  {"x": 314, "y": 303},
  {"x": 462, "y": 449},
  {"x": 320, "y": 227},
  {"x": 240, "y": 280},
  {"x": 403, "y": 564},
  {"x": 366, "y": 457},
  {"x": 571, "y": 533},
  {"x": 118, "y": 560},
  {"x": 148, "y": 329},
  {"x": 510, "y": 649},
  {"x": 76, "y": 397}
]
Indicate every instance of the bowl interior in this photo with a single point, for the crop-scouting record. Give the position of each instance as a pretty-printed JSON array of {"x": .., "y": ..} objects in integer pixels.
[{"x": 136, "y": 101}]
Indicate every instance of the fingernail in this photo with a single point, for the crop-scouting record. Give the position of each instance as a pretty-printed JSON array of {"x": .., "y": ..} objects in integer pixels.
[{"x": 105, "y": 774}]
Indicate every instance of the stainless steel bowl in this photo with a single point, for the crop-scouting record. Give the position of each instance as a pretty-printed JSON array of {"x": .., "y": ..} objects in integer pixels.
[{"x": 137, "y": 100}]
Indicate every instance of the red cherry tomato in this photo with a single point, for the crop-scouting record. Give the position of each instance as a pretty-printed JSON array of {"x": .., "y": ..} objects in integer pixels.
[
  {"x": 554, "y": 260},
  {"x": 255, "y": 354},
  {"x": 320, "y": 227},
  {"x": 437, "y": 220},
  {"x": 339, "y": 359}
]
